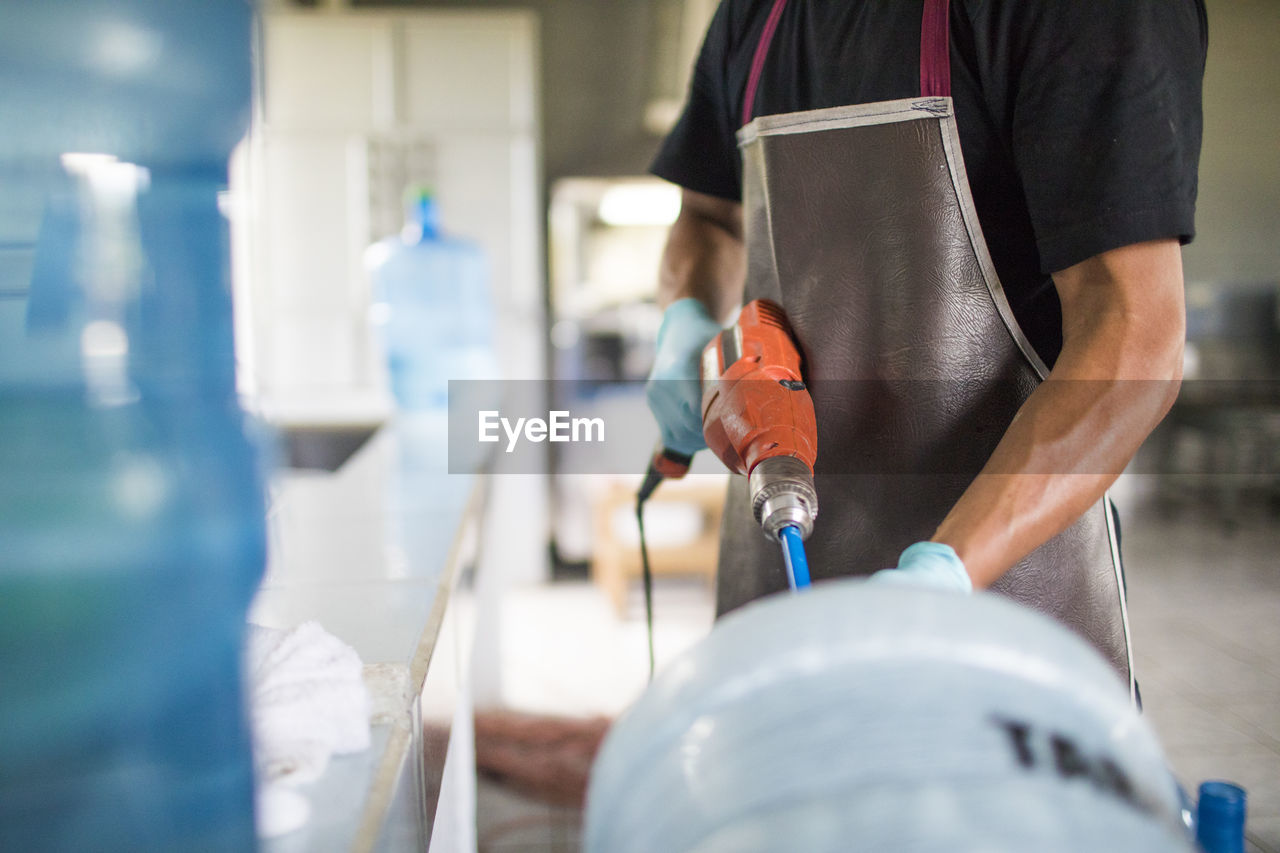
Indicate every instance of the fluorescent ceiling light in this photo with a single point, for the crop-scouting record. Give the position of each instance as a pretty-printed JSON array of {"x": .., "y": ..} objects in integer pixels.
[{"x": 640, "y": 204}]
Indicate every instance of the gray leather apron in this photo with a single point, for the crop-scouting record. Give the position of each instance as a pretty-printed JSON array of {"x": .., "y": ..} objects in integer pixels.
[{"x": 860, "y": 223}]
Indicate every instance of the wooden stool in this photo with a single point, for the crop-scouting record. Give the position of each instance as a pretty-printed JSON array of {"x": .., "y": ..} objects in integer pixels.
[{"x": 615, "y": 559}]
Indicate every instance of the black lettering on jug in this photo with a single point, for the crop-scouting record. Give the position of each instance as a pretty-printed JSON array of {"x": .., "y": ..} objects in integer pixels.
[
  {"x": 1019, "y": 733},
  {"x": 1033, "y": 749},
  {"x": 1067, "y": 758},
  {"x": 1113, "y": 779}
]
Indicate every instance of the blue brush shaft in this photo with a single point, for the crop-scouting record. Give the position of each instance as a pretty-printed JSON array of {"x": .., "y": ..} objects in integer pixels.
[{"x": 793, "y": 554}]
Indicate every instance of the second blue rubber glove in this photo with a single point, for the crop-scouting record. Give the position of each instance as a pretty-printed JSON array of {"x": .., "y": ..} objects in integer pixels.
[
  {"x": 928, "y": 564},
  {"x": 673, "y": 390}
]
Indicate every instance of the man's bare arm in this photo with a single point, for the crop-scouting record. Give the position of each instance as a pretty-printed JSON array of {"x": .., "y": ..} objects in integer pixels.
[
  {"x": 1124, "y": 324},
  {"x": 704, "y": 257}
]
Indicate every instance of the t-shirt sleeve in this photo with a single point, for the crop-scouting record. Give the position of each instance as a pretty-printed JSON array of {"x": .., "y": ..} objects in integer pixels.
[
  {"x": 701, "y": 153},
  {"x": 1106, "y": 121}
]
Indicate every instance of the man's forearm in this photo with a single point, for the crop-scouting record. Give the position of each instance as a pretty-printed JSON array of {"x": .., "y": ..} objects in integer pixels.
[
  {"x": 1117, "y": 376},
  {"x": 704, "y": 257}
]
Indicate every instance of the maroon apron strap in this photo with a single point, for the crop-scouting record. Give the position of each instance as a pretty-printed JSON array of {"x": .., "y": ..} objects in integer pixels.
[
  {"x": 757, "y": 61},
  {"x": 935, "y": 53}
]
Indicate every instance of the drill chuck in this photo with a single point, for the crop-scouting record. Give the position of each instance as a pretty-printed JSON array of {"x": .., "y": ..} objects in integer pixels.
[{"x": 782, "y": 495}]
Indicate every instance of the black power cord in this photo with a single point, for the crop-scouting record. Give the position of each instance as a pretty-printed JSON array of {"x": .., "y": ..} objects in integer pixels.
[
  {"x": 676, "y": 464},
  {"x": 648, "y": 582},
  {"x": 652, "y": 478}
]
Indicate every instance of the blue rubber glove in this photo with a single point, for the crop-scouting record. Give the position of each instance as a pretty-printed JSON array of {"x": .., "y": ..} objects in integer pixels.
[
  {"x": 928, "y": 564},
  {"x": 673, "y": 390}
]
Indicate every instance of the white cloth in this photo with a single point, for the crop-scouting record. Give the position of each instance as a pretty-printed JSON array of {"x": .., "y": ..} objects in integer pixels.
[{"x": 308, "y": 701}]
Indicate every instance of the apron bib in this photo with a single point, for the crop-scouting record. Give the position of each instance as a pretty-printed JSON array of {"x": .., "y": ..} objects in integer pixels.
[{"x": 859, "y": 221}]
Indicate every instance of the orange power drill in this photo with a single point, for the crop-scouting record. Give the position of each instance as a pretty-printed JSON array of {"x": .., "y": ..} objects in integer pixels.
[{"x": 757, "y": 416}]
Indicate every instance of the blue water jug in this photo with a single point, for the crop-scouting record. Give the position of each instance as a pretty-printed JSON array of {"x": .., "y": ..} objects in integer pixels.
[
  {"x": 131, "y": 507},
  {"x": 431, "y": 291}
]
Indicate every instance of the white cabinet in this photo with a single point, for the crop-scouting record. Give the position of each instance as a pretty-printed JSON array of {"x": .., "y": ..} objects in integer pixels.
[{"x": 354, "y": 107}]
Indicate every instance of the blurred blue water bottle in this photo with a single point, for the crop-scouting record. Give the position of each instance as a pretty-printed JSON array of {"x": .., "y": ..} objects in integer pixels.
[
  {"x": 432, "y": 301},
  {"x": 1220, "y": 816},
  {"x": 131, "y": 508}
]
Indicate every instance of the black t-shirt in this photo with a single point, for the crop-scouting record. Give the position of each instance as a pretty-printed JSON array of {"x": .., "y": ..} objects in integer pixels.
[{"x": 1079, "y": 120}]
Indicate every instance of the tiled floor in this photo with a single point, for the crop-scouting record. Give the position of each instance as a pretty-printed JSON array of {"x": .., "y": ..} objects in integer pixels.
[{"x": 1205, "y": 612}]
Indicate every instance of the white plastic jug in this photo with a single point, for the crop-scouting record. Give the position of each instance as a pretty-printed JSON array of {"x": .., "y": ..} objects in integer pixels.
[{"x": 864, "y": 717}]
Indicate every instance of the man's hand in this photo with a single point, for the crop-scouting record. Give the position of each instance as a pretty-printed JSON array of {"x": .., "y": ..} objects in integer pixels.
[
  {"x": 673, "y": 389},
  {"x": 1123, "y": 325},
  {"x": 928, "y": 564}
]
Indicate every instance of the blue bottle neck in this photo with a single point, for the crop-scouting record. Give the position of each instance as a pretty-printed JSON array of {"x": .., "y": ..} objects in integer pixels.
[{"x": 424, "y": 220}]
